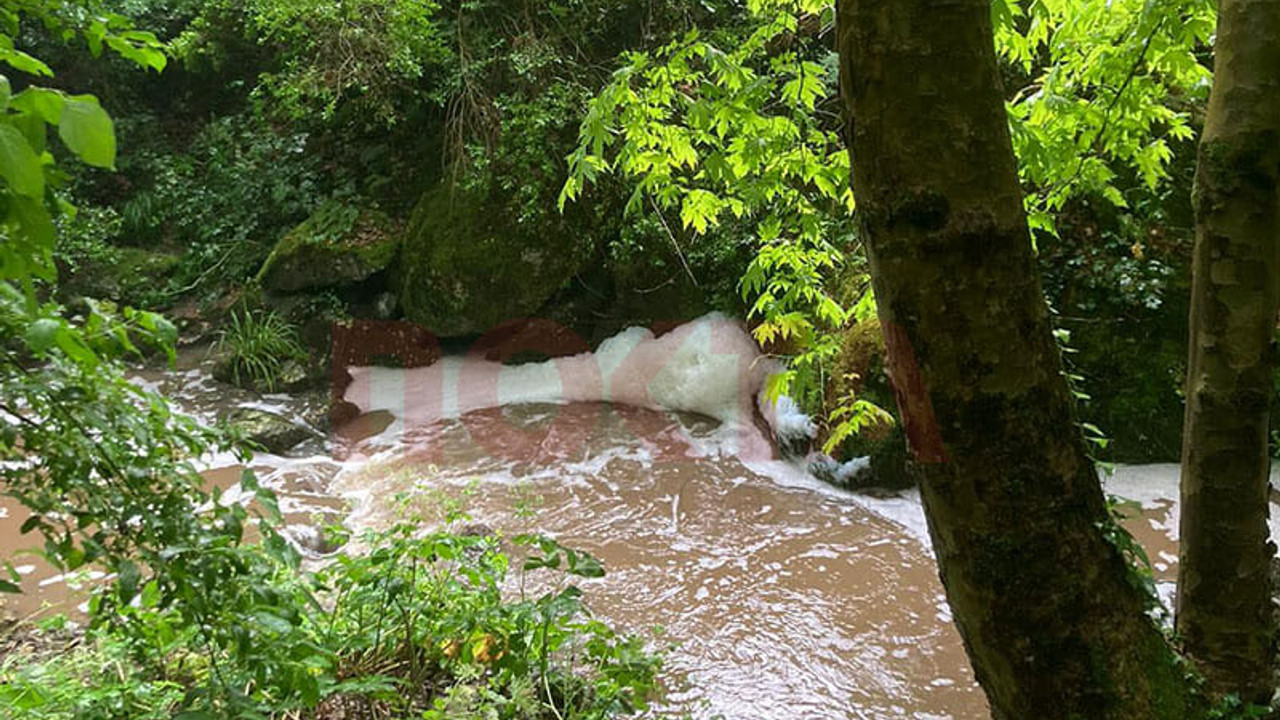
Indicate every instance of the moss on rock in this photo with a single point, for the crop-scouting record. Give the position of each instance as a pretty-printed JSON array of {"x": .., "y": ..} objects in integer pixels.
[
  {"x": 128, "y": 275},
  {"x": 471, "y": 261},
  {"x": 339, "y": 244}
]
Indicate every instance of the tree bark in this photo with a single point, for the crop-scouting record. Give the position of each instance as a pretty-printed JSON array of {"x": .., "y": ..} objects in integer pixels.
[
  {"x": 1052, "y": 625},
  {"x": 1224, "y": 581}
]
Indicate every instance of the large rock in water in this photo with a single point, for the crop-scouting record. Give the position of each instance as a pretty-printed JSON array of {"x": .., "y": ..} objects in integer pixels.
[
  {"x": 338, "y": 245},
  {"x": 471, "y": 261}
]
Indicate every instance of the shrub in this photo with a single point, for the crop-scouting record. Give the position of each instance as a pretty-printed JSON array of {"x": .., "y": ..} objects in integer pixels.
[
  {"x": 417, "y": 627},
  {"x": 259, "y": 346}
]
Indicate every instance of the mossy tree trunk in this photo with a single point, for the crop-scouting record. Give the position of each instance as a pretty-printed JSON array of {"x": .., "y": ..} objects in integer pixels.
[
  {"x": 1224, "y": 593},
  {"x": 1052, "y": 625}
]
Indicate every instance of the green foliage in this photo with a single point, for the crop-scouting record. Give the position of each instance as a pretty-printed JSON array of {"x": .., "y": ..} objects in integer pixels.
[
  {"x": 194, "y": 620},
  {"x": 418, "y": 627},
  {"x": 740, "y": 135},
  {"x": 1139, "y": 573},
  {"x": 360, "y": 63},
  {"x": 421, "y": 607},
  {"x": 279, "y": 108},
  {"x": 106, "y": 471},
  {"x": 850, "y": 416},
  {"x": 72, "y": 443},
  {"x": 258, "y": 346},
  {"x": 26, "y": 161},
  {"x": 1100, "y": 94},
  {"x": 1103, "y": 91},
  {"x": 105, "y": 468},
  {"x": 1093, "y": 435},
  {"x": 370, "y": 53},
  {"x": 85, "y": 239},
  {"x": 225, "y": 198},
  {"x": 1120, "y": 280},
  {"x": 74, "y": 685}
]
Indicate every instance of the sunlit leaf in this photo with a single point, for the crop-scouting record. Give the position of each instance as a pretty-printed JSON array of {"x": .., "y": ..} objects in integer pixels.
[{"x": 88, "y": 131}]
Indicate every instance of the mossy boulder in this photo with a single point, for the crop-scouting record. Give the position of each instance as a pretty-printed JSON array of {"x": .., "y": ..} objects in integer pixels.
[
  {"x": 340, "y": 244},
  {"x": 129, "y": 275},
  {"x": 658, "y": 287},
  {"x": 472, "y": 260}
]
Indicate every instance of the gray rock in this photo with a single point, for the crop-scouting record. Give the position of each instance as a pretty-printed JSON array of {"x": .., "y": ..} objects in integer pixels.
[{"x": 276, "y": 434}]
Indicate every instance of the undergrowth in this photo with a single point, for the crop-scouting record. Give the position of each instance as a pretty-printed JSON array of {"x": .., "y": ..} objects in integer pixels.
[{"x": 419, "y": 626}]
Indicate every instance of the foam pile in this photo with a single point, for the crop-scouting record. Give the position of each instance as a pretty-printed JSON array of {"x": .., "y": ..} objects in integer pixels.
[{"x": 710, "y": 366}]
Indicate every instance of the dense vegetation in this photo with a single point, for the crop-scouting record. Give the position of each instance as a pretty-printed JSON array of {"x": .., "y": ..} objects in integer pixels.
[
  {"x": 371, "y": 152},
  {"x": 249, "y": 171},
  {"x": 209, "y": 612}
]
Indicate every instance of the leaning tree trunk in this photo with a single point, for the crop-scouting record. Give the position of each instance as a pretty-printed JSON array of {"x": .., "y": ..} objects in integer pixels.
[
  {"x": 1224, "y": 582},
  {"x": 1052, "y": 625}
]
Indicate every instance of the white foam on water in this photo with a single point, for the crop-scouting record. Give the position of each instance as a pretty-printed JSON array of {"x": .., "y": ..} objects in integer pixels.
[
  {"x": 710, "y": 366},
  {"x": 902, "y": 508},
  {"x": 788, "y": 420},
  {"x": 1156, "y": 487}
]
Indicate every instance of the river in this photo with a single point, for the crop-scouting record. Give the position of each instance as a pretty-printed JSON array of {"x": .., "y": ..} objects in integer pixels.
[{"x": 778, "y": 596}]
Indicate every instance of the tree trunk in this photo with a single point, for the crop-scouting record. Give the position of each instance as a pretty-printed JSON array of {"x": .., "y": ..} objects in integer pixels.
[
  {"x": 1224, "y": 583},
  {"x": 1043, "y": 601}
]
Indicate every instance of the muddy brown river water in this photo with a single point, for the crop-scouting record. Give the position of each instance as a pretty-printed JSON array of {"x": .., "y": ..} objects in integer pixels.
[{"x": 780, "y": 597}]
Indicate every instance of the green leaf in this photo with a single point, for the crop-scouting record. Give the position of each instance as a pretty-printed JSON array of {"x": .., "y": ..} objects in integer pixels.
[
  {"x": 6, "y": 92},
  {"x": 273, "y": 622},
  {"x": 30, "y": 523},
  {"x": 150, "y": 595},
  {"x": 32, "y": 128},
  {"x": 19, "y": 164},
  {"x": 30, "y": 221},
  {"x": 74, "y": 345},
  {"x": 41, "y": 335},
  {"x": 41, "y": 103},
  {"x": 586, "y": 566},
  {"x": 127, "y": 577},
  {"x": 23, "y": 62},
  {"x": 87, "y": 130},
  {"x": 10, "y": 588},
  {"x": 699, "y": 209}
]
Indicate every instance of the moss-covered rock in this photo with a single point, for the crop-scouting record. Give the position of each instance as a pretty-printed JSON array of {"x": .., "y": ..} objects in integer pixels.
[
  {"x": 339, "y": 244},
  {"x": 859, "y": 362},
  {"x": 665, "y": 287},
  {"x": 275, "y": 433},
  {"x": 471, "y": 261},
  {"x": 129, "y": 275}
]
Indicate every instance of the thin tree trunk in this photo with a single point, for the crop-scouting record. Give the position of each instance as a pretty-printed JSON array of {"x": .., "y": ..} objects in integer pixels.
[
  {"x": 1052, "y": 625},
  {"x": 1224, "y": 582}
]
